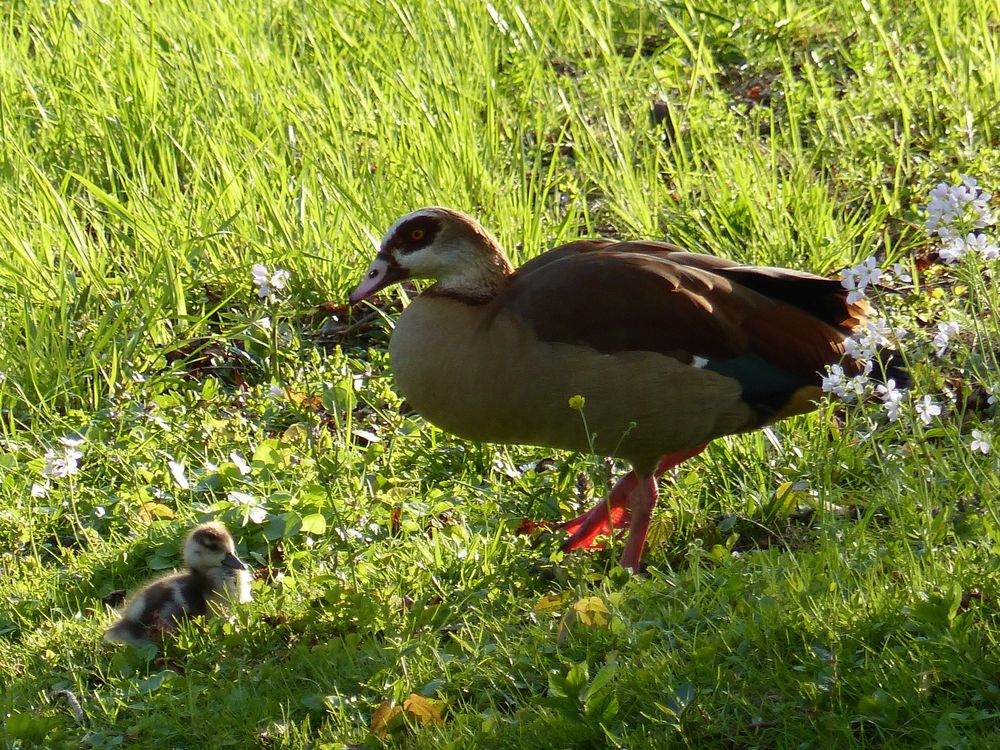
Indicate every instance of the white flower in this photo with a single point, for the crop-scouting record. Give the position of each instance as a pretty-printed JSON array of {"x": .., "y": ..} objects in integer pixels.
[
  {"x": 62, "y": 464},
  {"x": 868, "y": 271},
  {"x": 961, "y": 204},
  {"x": 276, "y": 391},
  {"x": 242, "y": 466},
  {"x": 857, "y": 387},
  {"x": 981, "y": 244},
  {"x": 980, "y": 442},
  {"x": 155, "y": 418},
  {"x": 177, "y": 471},
  {"x": 854, "y": 349},
  {"x": 849, "y": 281},
  {"x": 901, "y": 273},
  {"x": 943, "y": 207},
  {"x": 833, "y": 381},
  {"x": 927, "y": 409},
  {"x": 847, "y": 388},
  {"x": 240, "y": 498},
  {"x": 856, "y": 296},
  {"x": 944, "y": 335},
  {"x": 979, "y": 202},
  {"x": 99, "y": 511},
  {"x": 253, "y": 510},
  {"x": 857, "y": 278},
  {"x": 39, "y": 490},
  {"x": 888, "y": 391},
  {"x": 953, "y": 251},
  {"x": 268, "y": 284},
  {"x": 892, "y": 399},
  {"x": 893, "y": 409},
  {"x": 867, "y": 340}
]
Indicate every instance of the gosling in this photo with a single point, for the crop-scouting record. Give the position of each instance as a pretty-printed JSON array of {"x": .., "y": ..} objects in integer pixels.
[{"x": 215, "y": 575}]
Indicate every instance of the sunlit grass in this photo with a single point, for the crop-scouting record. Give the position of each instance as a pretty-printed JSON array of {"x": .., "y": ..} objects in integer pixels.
[{"x": 833, "y": 580}]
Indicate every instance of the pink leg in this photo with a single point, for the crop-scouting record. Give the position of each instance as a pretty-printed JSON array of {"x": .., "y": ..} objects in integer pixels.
[
  {"x": 643, "y": 502},
  {"x": 615, "y": 512},
  {"x": 608, "y": 514},
  {"x": 671, "y": 460}
]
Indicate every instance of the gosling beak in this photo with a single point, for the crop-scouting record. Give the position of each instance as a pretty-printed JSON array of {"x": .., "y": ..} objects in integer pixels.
[{"x": 232, "y": 561}]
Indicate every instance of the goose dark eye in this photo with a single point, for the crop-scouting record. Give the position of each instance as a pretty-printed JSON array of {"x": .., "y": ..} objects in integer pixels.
[
  {"x": 417, "y": 234},
  {"x": 372, "y": 274}
]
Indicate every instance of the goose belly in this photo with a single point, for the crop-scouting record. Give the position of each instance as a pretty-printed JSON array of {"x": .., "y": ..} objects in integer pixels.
[{"x": 491, "y": 380}]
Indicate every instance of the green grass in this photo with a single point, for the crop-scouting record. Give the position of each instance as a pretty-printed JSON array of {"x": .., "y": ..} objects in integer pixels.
[{"x": 825, "y": 584}]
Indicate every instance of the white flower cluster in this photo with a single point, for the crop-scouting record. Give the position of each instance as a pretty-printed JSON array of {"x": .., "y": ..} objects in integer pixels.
[
  {"x": 957, "y": 214},
  {"x": 956, "y": 248},
  {"x": 857, "y": 279},
  {"x": 847, "y": 387},
  {"x": 945, "y": 333},
  {"x": 871, "y": 337},
  {"x": 899, "y": 273},
  {"x": 270, "y": 285},
  {"x": 892, "y": 398},
  {"x": 64, "y": 462},
  {"x": 958, "y": 204}
]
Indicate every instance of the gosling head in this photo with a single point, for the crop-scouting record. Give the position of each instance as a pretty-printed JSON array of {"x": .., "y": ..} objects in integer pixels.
[{"x": 210, "y": 547}]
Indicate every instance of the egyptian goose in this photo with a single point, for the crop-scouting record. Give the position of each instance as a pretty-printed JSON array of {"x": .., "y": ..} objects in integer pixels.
[
  {"x": 215, "y": 575},
  {"x": 668, "y": 349}
]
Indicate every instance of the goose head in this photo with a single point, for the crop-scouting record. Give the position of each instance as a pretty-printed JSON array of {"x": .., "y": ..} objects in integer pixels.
[
  {"x": 210, "y": 547},
  {"x": 440, "y": 244}
]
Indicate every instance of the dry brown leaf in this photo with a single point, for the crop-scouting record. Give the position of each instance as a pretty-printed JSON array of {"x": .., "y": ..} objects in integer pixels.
[
  {"x": 551, "y": 602},
  {"x": 383, "y": 717},
  {"x": 427, "y": 712},
  {"x": 150, "y": 511},
  {"x": 592, "y": 612}
]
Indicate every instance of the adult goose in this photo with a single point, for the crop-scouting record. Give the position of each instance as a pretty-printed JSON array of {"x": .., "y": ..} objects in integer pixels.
[
  {"x": 668, "y": 349},
  {"x": 214, "y": 576}
]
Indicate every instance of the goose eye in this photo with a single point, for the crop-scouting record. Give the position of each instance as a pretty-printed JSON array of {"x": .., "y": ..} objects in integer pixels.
[
  {"x": 372, "y": 274},
  {"x": 417, "y": 234}
]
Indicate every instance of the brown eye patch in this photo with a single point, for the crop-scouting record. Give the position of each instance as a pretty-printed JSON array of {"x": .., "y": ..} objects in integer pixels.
[
  {"x": 414, "y": 234},
  {"x": 209, "y": 539}
]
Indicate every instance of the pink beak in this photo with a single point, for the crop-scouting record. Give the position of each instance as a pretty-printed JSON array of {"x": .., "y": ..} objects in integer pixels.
[{"x": 380, "y": 274}]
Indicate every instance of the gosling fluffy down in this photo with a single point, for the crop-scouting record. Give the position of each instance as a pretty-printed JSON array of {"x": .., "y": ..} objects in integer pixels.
[{"x": 214, "y": 576}]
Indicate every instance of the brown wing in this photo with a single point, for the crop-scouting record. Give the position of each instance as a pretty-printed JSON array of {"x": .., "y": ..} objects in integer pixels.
[{"x": 650, "y": 296}]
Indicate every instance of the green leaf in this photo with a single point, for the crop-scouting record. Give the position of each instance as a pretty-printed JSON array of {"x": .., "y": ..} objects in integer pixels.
[
  {"x": 603, "y": 709},
  {"x": 601, "y": 680},
  {"x": 283, "y": 526},
  {"x": 577, "y": 678},
  {"x": 340, "y": 397},
  {"x": 558, "y": 686},
  {"x": 31, "y": 729},
  {"x": 159, "y": 562},
  {"x": 314, "y": 523},
  {"x": 269, "y": 454}
]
